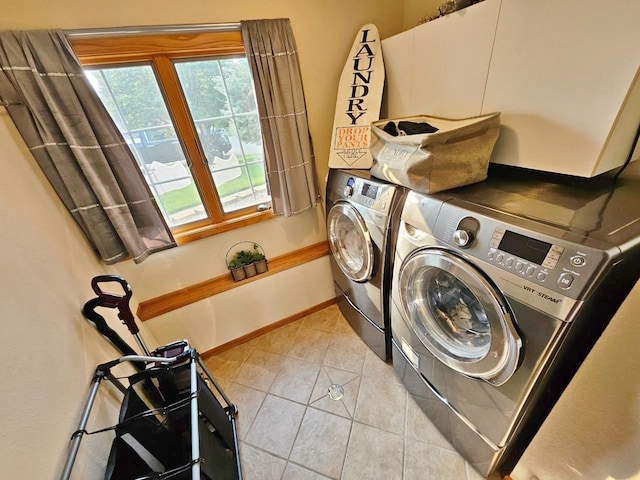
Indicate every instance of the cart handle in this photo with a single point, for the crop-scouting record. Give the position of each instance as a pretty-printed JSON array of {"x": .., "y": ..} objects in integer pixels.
[
  {"x": 113, "y": 300},
  {"x": 101, "y": 325}
]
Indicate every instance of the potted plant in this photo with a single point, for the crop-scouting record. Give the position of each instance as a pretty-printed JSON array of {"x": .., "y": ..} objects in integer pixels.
[
  {"x": 259, "y": 259},
  {"x": 247, "y": 262},
  {"x": 246, "y": 256},
  {"x": 236, "y": 267}
]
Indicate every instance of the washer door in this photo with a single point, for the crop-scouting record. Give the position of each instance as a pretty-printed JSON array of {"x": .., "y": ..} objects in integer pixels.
[
  {"x": 350, "y": 241},
  {"x": 459, "y": 316}
]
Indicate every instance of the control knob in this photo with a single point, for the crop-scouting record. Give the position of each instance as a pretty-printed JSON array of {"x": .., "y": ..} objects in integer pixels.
[
  {"x": 348, "y": 191},
  {"x": 462, "y": 238}
]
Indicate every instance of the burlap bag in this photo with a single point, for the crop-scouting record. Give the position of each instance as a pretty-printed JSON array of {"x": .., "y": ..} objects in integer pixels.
[{"x": 457, "y": 154}]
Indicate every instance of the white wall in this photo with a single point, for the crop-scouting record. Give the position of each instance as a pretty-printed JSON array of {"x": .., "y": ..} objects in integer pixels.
[
  {"x": 49, "y": 349},
  {"x": 47, "y": 265}
]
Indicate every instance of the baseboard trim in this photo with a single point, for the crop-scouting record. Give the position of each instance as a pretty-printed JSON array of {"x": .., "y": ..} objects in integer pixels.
[
  {"x": 266, "y": 329},
  {"x": 194, "y": 293}
]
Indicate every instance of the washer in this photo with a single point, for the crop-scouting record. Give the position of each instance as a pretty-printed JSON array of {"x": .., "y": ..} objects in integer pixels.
[
  {"x": 359, "y": 228},
  {"x": 499, "y": 292}
]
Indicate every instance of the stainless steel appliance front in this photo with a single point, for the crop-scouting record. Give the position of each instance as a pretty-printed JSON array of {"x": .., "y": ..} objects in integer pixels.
[
  {"x": 359, "y": 228},
  {"x": 493, "y": 312}
]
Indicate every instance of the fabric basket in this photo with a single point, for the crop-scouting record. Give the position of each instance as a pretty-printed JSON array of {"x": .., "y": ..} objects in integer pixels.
[{"x": 456, "y": 154}]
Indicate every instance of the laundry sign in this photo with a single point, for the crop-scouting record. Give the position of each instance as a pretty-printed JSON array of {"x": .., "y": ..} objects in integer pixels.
[{"x": 358, "y": 102}]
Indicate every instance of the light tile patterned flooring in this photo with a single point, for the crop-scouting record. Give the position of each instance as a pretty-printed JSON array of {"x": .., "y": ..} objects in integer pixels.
[{"x": 289, "y": 428}]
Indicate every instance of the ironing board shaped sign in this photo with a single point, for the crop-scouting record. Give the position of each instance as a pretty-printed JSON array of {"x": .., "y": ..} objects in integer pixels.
[{"x": 358, "y": 102}]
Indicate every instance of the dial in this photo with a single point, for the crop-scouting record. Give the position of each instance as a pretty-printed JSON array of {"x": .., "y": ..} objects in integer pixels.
[
  {"x": 462, "y": 238},
  {"x": 465, "y": 232},
  {"x": 348, "y": 189}
]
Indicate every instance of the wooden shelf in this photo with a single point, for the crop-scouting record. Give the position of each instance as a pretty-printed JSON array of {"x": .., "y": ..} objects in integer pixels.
[{"x": 194, "y": 293}]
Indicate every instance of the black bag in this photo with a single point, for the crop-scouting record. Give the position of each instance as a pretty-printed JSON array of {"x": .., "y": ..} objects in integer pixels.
[{"x": 153, "y": 436}]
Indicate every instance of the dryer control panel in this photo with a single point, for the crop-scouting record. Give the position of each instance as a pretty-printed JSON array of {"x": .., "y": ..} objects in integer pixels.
[{"x": 370, "y": 193}]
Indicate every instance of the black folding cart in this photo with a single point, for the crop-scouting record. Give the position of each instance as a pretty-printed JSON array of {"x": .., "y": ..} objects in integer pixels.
[{"x": 175, "y": 421}]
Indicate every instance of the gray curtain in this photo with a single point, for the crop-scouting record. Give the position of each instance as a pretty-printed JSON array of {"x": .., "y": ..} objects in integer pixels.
[
  {"x": 273, "y": 57},
  {"x": 78, "y": 147}
]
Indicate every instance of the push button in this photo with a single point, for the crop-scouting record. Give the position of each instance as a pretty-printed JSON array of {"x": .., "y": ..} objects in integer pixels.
[
  {"x": 565, "y": 281},
  {"x": 530, "y": 271},
  {"x": 578, "y": 261}
]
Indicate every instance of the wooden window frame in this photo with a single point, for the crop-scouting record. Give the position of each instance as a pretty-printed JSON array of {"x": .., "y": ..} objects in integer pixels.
[{"x": 159, "y": 50}]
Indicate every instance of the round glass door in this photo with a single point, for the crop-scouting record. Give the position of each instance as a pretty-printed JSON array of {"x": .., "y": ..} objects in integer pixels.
[
  {"x": 350, "y": 242},
  {"x": 459, "y": 316}
]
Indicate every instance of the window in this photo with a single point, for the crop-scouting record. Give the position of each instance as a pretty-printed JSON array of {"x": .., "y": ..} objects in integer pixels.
[{"x": 186, "y": 106}]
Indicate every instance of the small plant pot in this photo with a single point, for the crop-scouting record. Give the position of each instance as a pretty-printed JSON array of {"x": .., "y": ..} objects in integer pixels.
[
  {"x": 238, "y": 274},
  {"x": 250, "y": 270},
  {"x": 261, "y": 266}
]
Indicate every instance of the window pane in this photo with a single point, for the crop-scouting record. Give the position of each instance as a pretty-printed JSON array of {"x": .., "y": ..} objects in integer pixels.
[
  {"x": 133, "y": 99},
  {"x": 222, "y": 103}
]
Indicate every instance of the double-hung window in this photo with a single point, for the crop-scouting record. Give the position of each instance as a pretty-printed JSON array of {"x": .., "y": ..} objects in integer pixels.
[{"x": 185, "y": 104}]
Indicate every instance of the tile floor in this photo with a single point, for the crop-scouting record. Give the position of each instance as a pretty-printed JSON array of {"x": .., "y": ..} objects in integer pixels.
[{"x": 289, "y": 428}]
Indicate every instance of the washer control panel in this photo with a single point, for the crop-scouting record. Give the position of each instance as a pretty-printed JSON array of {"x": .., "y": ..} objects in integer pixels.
[
  {"x": 549, "y": 261},
  {"x": 533, "y": 258}
]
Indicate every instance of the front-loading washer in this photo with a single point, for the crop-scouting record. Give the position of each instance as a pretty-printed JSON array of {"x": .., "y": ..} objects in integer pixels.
[
  {"x": 359, "y": 228},
  {"x": 499, "y": 291}
]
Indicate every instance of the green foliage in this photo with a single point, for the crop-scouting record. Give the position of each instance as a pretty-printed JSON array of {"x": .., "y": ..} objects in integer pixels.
[
  {"x": 203, "y": 88},
  {"x": 257, "y": 254},
  {"x": 246, "y": 257},
  {"x": 240, "y": 258},
  {"x": 180, "y": 199},
  {"x": 242, "y": 183},
  {"x": 186, "y": 197},
  {"x": 140, "y": 104}
]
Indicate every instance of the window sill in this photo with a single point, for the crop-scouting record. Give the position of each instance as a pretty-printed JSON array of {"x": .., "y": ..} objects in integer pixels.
[{"x": 228, "y": 225}]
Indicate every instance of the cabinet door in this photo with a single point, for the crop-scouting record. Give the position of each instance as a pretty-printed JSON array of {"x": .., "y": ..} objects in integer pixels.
[
  {"x": 397, "y": 52},
  {"x": 440, "y": 67},
  {"x": 563, "y": 74}
]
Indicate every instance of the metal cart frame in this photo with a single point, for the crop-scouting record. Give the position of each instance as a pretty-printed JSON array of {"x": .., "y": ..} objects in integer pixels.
[{"x": 203, "y": 403}]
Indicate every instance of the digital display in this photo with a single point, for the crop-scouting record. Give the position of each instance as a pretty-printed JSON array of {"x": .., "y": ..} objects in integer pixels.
[
  {"x": 370, "y": 191},
  {"x": 524, "y": 247}
]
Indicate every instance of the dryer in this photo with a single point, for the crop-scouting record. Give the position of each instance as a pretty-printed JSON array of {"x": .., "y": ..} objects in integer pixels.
[
  {"x": 499, "y": 292},
  {"x": 359, "y": 228}
]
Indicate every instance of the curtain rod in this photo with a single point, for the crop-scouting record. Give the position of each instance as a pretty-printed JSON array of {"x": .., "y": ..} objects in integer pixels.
[{"x": 154, "y": 29}]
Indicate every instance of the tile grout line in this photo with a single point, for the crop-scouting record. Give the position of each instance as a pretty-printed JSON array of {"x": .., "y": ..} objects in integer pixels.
[
  {"x": 306, "y": 409},
  {"x": 346, "y": 452},
  {"x": 335, "y": 333},
  {"x": 254, "y": 418},
  {"x": 295, "y": 439}
]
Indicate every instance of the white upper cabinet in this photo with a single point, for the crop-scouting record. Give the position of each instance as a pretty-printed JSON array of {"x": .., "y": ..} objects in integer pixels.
[
  {"x": 397, "y": 52},
  {"x": 563, "y": 74},
  {"x": 440, "y": 67}
]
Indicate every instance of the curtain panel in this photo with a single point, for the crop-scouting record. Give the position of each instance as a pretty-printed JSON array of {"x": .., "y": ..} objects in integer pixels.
[
  {"x": 78, "y": 147},
  {"x": 290, "y": 166}
]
